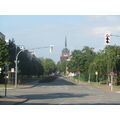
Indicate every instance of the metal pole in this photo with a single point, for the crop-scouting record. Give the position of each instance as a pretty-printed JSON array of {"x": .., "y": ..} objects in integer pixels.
[
  {"x": 16, "y": 67},
  {"x": 79, "y": 76},
  {"x": 5, "y": 86},
  {"x": 16, "y": 72},
  {"x": 6, "y": 78},
  {"x": 96, "y": 78},
  {"x": 89, "y": 78},
  {"x": 111, "y": 83}
]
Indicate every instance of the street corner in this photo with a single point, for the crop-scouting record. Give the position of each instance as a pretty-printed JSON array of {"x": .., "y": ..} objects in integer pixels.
[{"x": 12, "y": 100}]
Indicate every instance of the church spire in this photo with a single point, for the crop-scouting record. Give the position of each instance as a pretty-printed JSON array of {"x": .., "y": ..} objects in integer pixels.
[{"x": 65, "y": 42}]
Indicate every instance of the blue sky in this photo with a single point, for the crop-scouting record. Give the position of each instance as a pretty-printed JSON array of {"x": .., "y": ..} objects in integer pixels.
[{"x": 42, "y": 30}]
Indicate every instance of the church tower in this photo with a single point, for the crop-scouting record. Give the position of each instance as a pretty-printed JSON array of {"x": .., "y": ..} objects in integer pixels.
[{"x": 65, "y": 52}]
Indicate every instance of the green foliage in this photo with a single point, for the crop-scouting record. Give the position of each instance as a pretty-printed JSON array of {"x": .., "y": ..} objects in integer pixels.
[
  {"x": 48, "y": 65},
  {"x": 3, "y": 53},
  {"x": 61, "y": 66},
  {"x": 12, "y": 50},
  {"x": 30, "y": 65},
  {"x": 88, "y": 62},
  {"x": 81, "y": 60}
]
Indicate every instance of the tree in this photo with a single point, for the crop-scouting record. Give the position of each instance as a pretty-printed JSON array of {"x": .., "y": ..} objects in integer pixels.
[
  {"x": 48, "y": 65},
  {"x": 30, "y": 65},
  {"x": 3, "y": 53},
  {"x": 12, "y": 50},
  {"x": 81, "y": 60},
  {"x": 61, "y": 66}
]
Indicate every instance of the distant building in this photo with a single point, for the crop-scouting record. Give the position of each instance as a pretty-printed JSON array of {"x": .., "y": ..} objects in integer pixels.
[
  {"x": 65, "y": 52},
  {"x": 2, "y": 36}
]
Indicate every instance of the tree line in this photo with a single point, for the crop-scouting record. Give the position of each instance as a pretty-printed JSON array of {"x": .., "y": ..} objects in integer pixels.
[
  {"x": 28, "y": 64},
  {"x": 87, "y": 62}
]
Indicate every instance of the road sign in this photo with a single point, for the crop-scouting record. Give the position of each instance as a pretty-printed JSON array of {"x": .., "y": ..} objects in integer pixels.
[
  {"x": 78, "y": 73},
  {"x": 112, "y": 74}
]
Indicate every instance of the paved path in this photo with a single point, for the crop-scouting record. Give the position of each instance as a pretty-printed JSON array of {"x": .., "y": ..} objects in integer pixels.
[{"x": 63, "y": 92}]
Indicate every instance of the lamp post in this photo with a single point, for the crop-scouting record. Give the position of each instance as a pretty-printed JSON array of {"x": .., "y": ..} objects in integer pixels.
[
  {"x": 6, "y": 78},
  {"x": 16, "y": 60},
  {"x": 96, "y": 73},
  {"x": 6, "y": 71},
  {"x": 16, "y": 65},
  {"x": 0, "y": 70}
]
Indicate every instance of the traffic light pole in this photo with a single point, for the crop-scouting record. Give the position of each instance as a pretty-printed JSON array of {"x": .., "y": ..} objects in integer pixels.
[{"x": 115, "y": 35}]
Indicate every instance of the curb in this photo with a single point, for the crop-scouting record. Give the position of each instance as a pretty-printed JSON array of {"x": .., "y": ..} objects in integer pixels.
[
  {"x": 18, "y": 103},
  {"x": 12, "y": 100}
]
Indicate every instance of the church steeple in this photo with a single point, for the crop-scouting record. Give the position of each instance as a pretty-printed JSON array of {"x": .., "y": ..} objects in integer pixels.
[
  {"x": 65, "y": 42},
  {"x": 65, "y": 52}
]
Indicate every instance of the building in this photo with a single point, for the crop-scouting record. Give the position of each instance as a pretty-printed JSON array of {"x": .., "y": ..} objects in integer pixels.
[
  {"x": 65, "y": 52},
  {"x": 2, "y": 36}
]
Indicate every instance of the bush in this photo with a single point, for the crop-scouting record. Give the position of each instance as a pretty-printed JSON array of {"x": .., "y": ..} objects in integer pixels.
[{"x": 103, "y": 82}]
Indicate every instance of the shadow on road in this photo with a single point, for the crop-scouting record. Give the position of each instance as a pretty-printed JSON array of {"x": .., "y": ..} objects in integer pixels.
[
  {"x": 58, "y": 82},
  {"x": 52, "y": 96}
]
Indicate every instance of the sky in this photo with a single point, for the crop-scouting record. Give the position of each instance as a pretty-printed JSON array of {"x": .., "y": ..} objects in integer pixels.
[{"x": 34, "y": 31}]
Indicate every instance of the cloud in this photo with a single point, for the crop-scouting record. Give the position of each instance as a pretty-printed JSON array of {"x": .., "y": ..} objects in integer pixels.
[{"x": 104, "y": 29}]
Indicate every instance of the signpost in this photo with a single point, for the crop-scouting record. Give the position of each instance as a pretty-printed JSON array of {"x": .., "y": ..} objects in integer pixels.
[
  {"x": 112, "y": 74},
  {"x": 78, "y": 74}
]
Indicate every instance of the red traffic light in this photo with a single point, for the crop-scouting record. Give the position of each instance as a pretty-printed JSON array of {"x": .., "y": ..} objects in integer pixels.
[{"x": 107, "y": 35}]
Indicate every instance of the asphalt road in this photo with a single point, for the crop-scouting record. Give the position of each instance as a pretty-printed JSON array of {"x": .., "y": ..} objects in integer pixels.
[{"x": 63, "y": 92}]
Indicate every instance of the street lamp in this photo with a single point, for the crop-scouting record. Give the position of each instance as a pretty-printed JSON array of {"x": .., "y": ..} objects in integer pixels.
[
  {"x": 16, "y": 60},
  {"x": 0, "y": 70},
  {"x": 6, "y": 78},
  {"x": 96, "y": 73},
  {"x": 6, "y": 71},
  {"x": 16, "y": 65}
]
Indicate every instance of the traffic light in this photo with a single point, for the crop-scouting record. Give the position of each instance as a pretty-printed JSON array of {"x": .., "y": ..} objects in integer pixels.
[
  {"x": 107, "y": 38},
  {"x": 51, "y": 48}
]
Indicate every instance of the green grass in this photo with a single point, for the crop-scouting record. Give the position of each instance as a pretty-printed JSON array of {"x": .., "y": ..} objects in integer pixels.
[
  {"x": 8, "y": 85},
  {"x": 118, "y": 87}
]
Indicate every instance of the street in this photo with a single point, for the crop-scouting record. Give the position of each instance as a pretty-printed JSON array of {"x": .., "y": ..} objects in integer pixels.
[{"x": 63, "y": 92}]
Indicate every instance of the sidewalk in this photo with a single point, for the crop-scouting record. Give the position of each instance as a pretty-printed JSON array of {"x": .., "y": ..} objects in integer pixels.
[
  {"x": 11, "y": 100},
  {"x": 104, "y": 87},
  {"x": 24, "y": 86}
]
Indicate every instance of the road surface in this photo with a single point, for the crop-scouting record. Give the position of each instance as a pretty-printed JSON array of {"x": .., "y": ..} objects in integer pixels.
[{"x": 63, "y": 92}]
